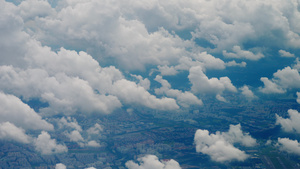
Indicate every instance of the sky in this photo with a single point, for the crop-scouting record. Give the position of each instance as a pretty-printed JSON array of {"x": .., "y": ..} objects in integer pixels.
[{"x": 101, "y": 56}]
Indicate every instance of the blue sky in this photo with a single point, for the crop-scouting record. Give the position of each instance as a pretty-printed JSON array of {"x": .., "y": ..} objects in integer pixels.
[{"x": 100, "y": 56}]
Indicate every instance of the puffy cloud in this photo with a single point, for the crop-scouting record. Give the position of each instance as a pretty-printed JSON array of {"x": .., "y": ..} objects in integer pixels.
[
  {"x": 236, "y": 135},
  {"x": 152, "y": 162},
  {"x": 93, "y": 143},
  {"x": 166, "y": 70},
  {"x": 69, "y": 122},
  {"x": 60, "y": 166},
  {"x": 284, "y": 53},
  {"x": 75, "y": 136},
  {"x": 270, "y": 87},
  {"x": 130, "y": 93},
  {"x": 41, "y": 9},
  {"x": 9, "y": 131},
  {"x": 290, "y": 146},
  {"x": 95, "y": 130},
  {"x": 298, "y": 97},
  {"x": 247, "y": 92},
  {"x": 45, "y": 145},
  {"x": 145, "y": 83},
  {"x": 287, "y": 78},
  {"x": 13, "y": 110},
  {"x": 233, "y": 63},
  {"x": 184, "y": 99},
  {"x": 242, "y": 54},
  {"x": 221, "y": 98},
  {"x": 220, "y": 147},
  {"x": 290, "y": 124},
  {"x": 202, "y": 84}
]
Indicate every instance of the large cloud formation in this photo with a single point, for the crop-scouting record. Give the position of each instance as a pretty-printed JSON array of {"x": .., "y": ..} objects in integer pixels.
[
  {"x": 152, "y": 162},
  {"x": 220, "y": 147}
]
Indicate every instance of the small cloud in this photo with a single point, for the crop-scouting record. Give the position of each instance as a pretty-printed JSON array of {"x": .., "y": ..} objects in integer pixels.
[
  {"x": 290, "y": 146},
  {"x": 238, "y": 53},
  {"x": 46, "y": 146},
  {"x": 247, "y": 93},
  {"x": 60, "y": 166},
  {"x": 284, "y": 53},
  {"x": 152, "y": 162},
  {"x": 298, "y": 97},
  {"x": 234, "y": 63}
]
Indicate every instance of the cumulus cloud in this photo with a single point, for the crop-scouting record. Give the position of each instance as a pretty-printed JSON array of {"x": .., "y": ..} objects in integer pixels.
[
  {"x": 93, "y": 143},
  {"x": 45, "y": 145},
  {"x": 290, "y": 124},
  {"x": 152, "y": 162},
  {"x": 202, "y": 84},
  {"x": 284, "y": 53},
  {"x": 220, "y": 147},
  {"x": 9, "y": 131},
  {"x": 242, "y": 54},
  {"x": 287, "y": 78},
  {"x": 270, "y": 87},
  {"x": 221, "y": 98},
  {"x": 298, "y": 97},
  {"x": 184, "y": 99},
  {"x": 13, "y": 110},
  {"x": 130, "y": 93},
  {"x": 69, "y": 122},
  {"x": 234, "y": 63},
  {"x": 290, "y": 146},
  {"x": 143, "y": 82},
  {"x": 247, "y": 92},
  {"x": 95, "y": 130},
  {"x": 60, "y": 166},
  {"x": 166, "y": 70},
  {"x": 75, "y": 136}
]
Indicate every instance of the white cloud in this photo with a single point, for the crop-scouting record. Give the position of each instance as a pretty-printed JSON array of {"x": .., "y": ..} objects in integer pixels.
[
  {"x": 13, "y": 110},
  {"x": 290, "y": 124},
  {"x": 236, "y": 135},
  {"x": 131, "y": 93},
  {"x": 93, "y": 143},
  {"x": 233, "y": 63},
  {"x": 184, "y": 99},
  {"x": 220, "y": 147},
  {"x": 152, "y": 162},
  {"x": 75, "y": 136},
  {"x": 242, "y": 54},
  {"x": 270, "y": 87},
  {"x": 247, "y": 93},
  {"x": 221, "y": 98},
  {"x": 202, "y": 84},
  {"x": 45, "y": 145},
  {"x": 298, "y": 97},
  {"x": 143, "y": 82},
  {"x": 290, "y": 146},
  {"x": 95, "y": 130},
  {"x": 284, "y": 53},
  {"x": 9, "y": 131},
  {"x": 60, "y": 166},
  {"x": 69, "y": 122},
  {"x": 166, "y": 70},
  {"x": 287, "y": 78}
]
